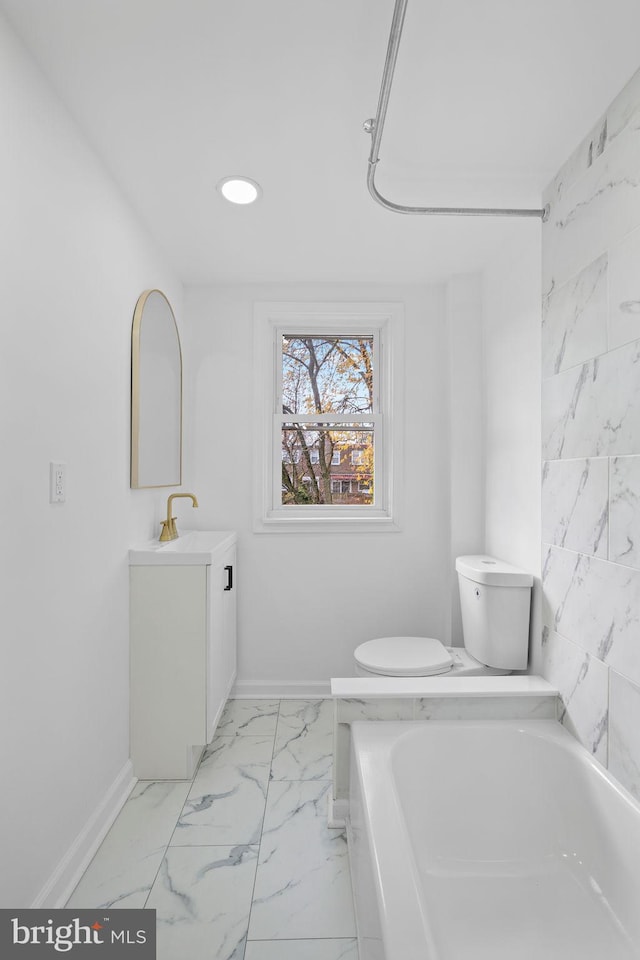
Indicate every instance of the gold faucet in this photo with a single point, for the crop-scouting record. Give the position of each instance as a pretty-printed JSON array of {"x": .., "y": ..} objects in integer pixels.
[{"x": 169, "y": 530}]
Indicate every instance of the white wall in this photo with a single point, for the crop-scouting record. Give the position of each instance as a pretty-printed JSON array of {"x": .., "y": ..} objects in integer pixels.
[
  {"x": 511, "y": 349},
  {"x": 306, "y": 601},
  {"x": 73, "y": 264},
  {"x": 466, "y": 428}
]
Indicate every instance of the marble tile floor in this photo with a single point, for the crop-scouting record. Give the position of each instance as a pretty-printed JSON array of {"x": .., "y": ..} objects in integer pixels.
[{"x": 239, "y": 862}]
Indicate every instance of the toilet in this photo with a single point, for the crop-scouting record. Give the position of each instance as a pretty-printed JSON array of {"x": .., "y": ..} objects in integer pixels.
[{"x": 495, "y": 599}]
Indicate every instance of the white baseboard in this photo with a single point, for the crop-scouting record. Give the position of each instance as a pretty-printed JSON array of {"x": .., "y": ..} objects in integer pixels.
[
  {"x": 282, "y": 690},
  {"x": 66, "y": 875}
]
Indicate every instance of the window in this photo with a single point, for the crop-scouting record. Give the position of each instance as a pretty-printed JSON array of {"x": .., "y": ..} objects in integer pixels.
[
  {"x": 348, "y": 491},
  {"x": 290, "y": 454},
  {"x": 329, "y": 428}
]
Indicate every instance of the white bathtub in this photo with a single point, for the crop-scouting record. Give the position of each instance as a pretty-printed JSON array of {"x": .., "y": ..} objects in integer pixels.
[{"x": 490, "y": 840}]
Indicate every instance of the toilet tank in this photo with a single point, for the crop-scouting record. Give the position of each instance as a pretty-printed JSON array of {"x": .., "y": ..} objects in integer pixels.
[{"x": 495, "y": 599}]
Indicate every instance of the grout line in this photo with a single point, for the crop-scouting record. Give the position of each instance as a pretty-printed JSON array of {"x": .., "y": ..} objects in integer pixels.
[
  {"x": 255, "y": 878},
  {"x": 346, "y": 941},
  {"x": 609, "y": 469},
  {"x": 609, "y": 683},
  {"x": 168, "y": 844}
]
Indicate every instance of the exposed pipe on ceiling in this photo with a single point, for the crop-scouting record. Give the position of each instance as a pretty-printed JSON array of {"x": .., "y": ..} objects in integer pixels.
[{"x": 375, "y": 127}]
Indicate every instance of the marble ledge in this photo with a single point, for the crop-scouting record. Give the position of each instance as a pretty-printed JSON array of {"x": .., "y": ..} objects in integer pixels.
[{"x": 366, "y": 688}]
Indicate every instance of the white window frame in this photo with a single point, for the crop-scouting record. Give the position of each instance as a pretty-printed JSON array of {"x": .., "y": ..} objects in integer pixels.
[
  {"x": 336, "y": 458},
  {"x": 383, "y": 321}
]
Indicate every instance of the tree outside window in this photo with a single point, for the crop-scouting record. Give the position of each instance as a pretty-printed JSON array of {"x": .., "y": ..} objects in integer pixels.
[{"x": 327, "y": 440}]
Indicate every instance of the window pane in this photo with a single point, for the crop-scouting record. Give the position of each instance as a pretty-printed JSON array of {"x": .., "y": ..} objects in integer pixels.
[
  {"x": 327, "y": 374},
  {"x": 319, "y": 466}
]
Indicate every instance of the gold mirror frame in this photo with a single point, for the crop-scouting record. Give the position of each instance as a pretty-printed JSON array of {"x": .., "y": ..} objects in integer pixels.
[{"x": 156, "y": 394}]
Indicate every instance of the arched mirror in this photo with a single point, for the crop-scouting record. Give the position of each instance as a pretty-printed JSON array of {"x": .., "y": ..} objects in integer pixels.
[{"x": 156, "y": 394}]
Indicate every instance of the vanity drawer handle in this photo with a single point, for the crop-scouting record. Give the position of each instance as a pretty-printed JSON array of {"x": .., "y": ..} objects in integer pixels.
[{"x": 229, "y": 570}]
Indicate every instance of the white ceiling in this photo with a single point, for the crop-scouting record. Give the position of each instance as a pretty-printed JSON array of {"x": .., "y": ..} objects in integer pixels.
[{"x": 490, "y": 97}]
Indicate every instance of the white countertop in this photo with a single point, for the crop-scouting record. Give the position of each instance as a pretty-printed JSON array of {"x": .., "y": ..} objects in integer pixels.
[{"x": 191, "y": 547}]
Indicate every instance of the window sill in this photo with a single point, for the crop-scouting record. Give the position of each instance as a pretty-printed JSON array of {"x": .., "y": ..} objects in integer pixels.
[{"x": 380, "y": 523}]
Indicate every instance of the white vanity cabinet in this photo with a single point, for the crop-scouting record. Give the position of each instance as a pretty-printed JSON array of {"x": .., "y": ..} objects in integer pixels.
[{"x": 183, "y": 649}]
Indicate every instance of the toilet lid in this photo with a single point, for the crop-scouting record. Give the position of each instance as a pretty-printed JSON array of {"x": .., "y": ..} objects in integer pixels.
[{"x": 404, "y": 656}]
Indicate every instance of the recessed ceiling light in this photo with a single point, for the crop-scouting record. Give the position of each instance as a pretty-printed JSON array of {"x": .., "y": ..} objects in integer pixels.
[{"x": 239, "y": 189}]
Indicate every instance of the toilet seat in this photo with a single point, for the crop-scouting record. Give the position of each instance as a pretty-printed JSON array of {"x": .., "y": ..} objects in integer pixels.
[{"x": 404, "y": 656}]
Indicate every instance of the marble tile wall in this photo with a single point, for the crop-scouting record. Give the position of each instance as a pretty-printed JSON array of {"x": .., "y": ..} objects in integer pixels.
[{"x": 590, "y": 644}]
